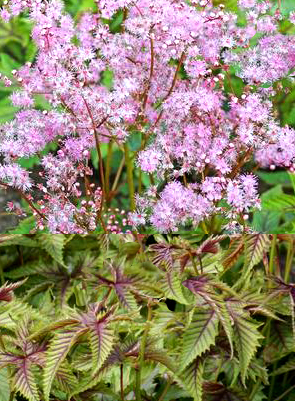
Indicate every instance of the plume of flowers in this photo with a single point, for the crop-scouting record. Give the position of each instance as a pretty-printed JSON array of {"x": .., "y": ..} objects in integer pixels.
[{"x": 170, "y": 64}]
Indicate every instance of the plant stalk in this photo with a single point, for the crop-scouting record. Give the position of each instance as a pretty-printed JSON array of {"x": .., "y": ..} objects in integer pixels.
[
  {"x": 289, "y": 260},
  {"x": 121, "y": 382},
  {"x": 141, "y": 354},
  {"x": 272, "y": 254},
  {"x": 130, "y": 181},
  {"x": 108, "y": 171}
]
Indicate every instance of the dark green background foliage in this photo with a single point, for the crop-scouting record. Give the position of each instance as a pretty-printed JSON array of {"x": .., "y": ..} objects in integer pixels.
[{"x": 153, "y": 318}]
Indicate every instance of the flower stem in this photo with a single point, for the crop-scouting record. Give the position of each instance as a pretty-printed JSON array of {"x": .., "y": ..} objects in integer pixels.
[
  {"x": 166, "y": 388},
  {"x": 272, "y": 254},
  {"x": 141, "y": 354},
  {"x": 108, "y": 171},
  {"x": 289, "y": 260},
  {"x": 130, "y": 180}
]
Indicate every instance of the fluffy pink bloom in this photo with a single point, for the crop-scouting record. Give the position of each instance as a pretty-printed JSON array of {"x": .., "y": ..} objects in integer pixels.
[{"x": 170, "y": 82}]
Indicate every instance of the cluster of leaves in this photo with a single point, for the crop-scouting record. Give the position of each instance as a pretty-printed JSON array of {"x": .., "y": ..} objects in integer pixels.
[{"x": 115, "y": 317}]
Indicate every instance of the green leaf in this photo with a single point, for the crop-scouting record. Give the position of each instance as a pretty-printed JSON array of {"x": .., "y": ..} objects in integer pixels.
[
  {"x": 193, "y": 379},
  {"x": 200, "y": 335},
  {"x": 292, "y": 178},
  {"x": 287, "y": 367},
  {"x": 101, "y": 342},
  {"x": 25, "y": 383},
  {"x": 53, "y": 244},
  {"x": 281, "y": 342},
  {"x": 4, "y": 385},
  {"x": 266, "y": 221},
  {"x": 7, "y": 110},
  {"x": 56, "y": 354},
  {"x": 255, "y": 246},
  {"x": 246, "y": 335},
  {"x": 130, "y": 248},
  {"x": 274, "y": 177},
  {"x": 7, "y": 64},
  {"x": 279, "y": 203},
  {"x": 158, "y": 355},
  {"x": 173, "y": 288},
  {"x": 65, "y": 379},
  {"x": 25, "y": 226},
  {"x": 17, "y": 239}
]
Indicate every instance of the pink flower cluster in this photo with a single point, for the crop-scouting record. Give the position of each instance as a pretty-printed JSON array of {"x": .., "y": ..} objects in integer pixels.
[{"x": 171, "y": 67}]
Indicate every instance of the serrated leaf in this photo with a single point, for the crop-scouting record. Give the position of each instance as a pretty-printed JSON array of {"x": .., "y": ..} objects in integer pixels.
[
  {"x": 160, "y": 356},
  {"x": 49, "y": 328},
  {"x": 246, "y": 335},
  {"x": 24, "y": 381},
  {"x": 125, "y": 297},
  {"x": 65, "y": 379},
  {"x": 287, "y": 367},
  {"x": 203, "y": 286},
  {"x": 255, "y": 246},
  {"x": 274, "y": 177},
  {"x": 53, "y": 245},
  {"x": 172, "y": 287},
  {"x": 281, "y": 203},
  {"x": 101, "y": 342},
  {"x": 17, "y": 239},
  {"x": 4, "y": 385},
  {"x": 200, "y": 335},
  {"x": 235, "y": 249},
  {"x": 6, "y": 290},
  {"x": 193, "y": 379},
  {"x": 281, "y": 342},
  {"x": 24, "y": 271},
  {"x": 57, "y": 352}
]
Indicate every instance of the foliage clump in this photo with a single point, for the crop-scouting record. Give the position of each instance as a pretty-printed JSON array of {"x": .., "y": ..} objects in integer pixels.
[{"x": 151, "y": 318}]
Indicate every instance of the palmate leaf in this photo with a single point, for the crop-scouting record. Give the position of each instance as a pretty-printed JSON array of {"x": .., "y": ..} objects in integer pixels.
[
  {"x": 246, "y": 335},
  {"x": 200, "y": 335},
  {"x": 192, "y": 379},
  {"x": 24, "y": 381},
  {"x": 57, "y": 352},
  {"x": 53, "y": 244},
  {"x": 101, "y": 342}
]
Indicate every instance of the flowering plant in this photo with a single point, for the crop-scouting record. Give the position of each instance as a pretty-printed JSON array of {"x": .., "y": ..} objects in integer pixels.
[{"x": 184, "y": 130}]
